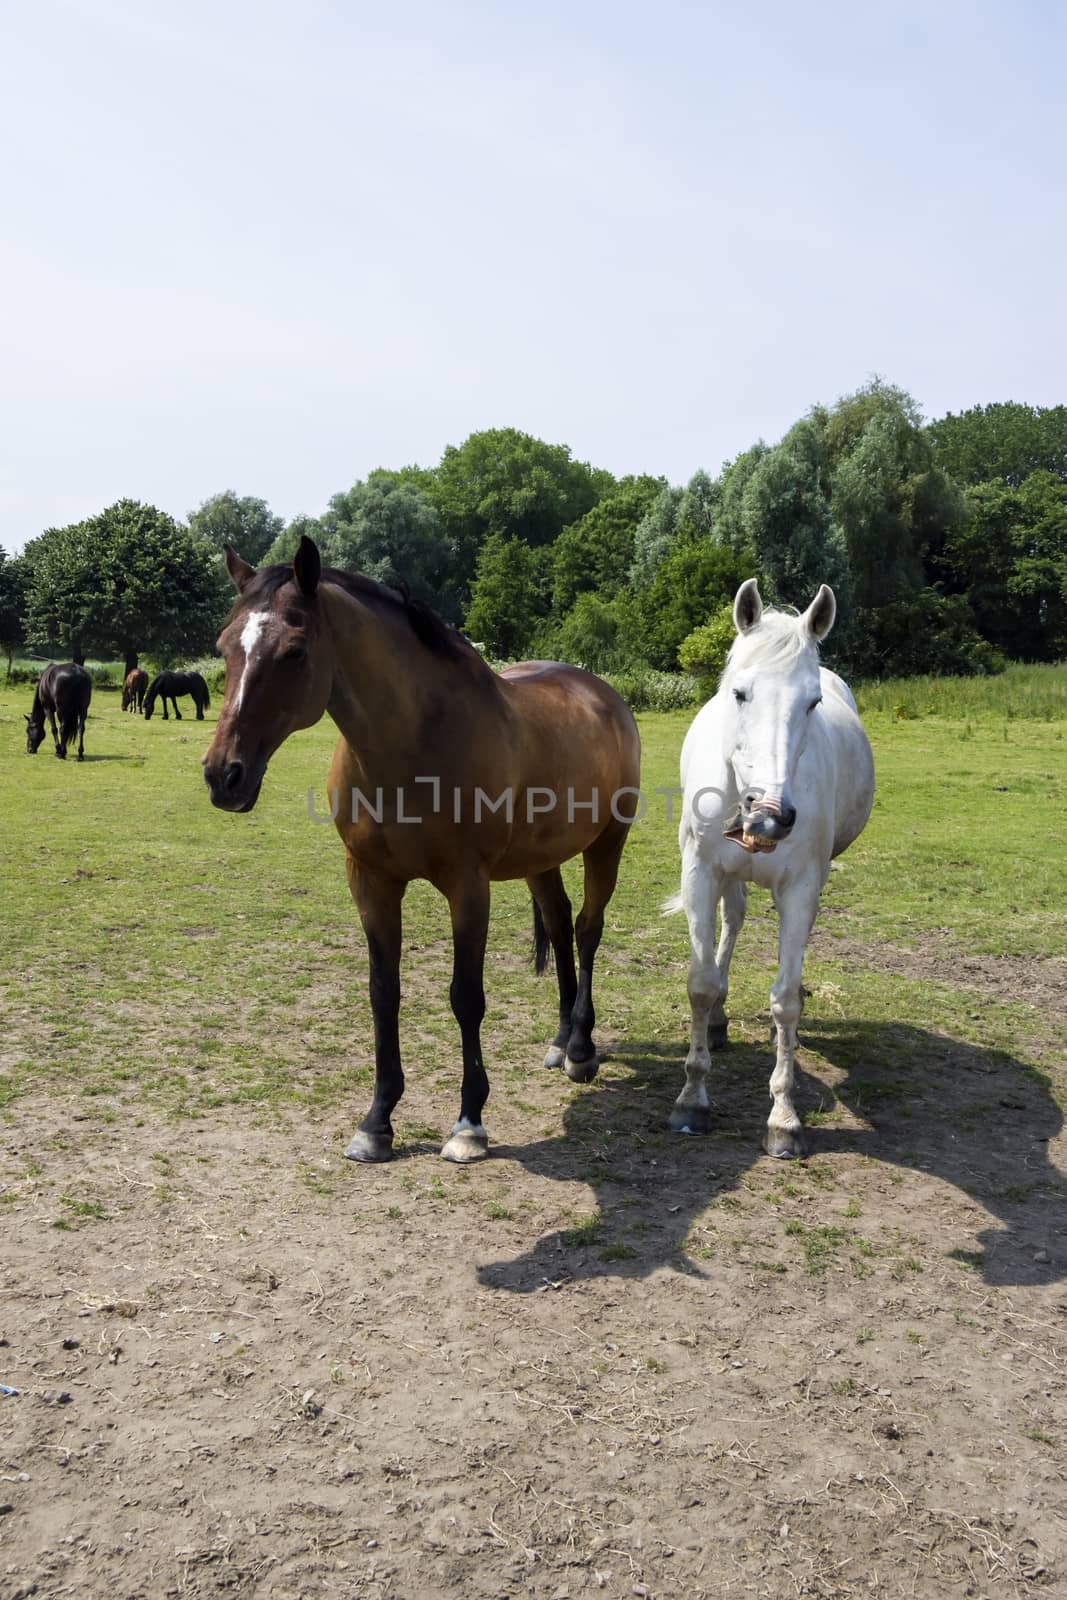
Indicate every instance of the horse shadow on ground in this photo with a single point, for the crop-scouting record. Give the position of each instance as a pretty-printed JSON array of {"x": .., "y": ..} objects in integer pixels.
[{"x": 976, "y": 1118}]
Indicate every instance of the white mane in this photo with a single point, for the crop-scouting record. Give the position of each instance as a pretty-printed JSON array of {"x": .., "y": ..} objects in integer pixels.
[{"x": 777, "y": 640}]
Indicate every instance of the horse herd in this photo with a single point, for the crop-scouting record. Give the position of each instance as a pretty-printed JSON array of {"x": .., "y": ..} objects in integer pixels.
[
  {"x": 450, "y": 772},
  {"x": 63, "y": 694}
]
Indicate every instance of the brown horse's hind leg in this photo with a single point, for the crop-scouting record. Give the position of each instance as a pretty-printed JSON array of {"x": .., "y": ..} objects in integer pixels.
[
  {"x": 601, "y": 872},
  {"x": 378, "y": 901},
  {"x": 550, "y": 899},
  {"x": 469, "y": 904},
  {"x": 81, "y": 736}
]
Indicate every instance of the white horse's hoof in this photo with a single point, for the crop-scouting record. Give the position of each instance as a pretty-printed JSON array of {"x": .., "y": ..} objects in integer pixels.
[
  {"x": 555, "y": 1057},
  {"x": 582, "y": 1071},
  {"x": 465, "y": 1144},
  {"x": 785, "y": 1144},
  {"x": 689, "y": 1119}
]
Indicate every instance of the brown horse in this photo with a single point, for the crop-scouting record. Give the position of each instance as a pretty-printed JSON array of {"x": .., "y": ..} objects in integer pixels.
[
  {"x": 133, "y": 690},
  {"x": 444, "y": 771}
]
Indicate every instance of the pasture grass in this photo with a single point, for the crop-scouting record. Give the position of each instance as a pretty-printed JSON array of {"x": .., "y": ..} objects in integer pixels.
[{"x": 156, "y": 954}]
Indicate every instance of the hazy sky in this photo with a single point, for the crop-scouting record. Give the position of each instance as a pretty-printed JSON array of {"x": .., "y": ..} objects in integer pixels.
[{"x": 273, "y": 246}]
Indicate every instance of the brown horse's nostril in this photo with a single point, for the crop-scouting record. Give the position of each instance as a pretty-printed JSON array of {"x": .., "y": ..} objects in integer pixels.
[{"x": 232, "y": 774}]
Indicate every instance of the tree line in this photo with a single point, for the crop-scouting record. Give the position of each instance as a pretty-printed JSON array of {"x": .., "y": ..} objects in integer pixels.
[{"x": 945, "y": 543}]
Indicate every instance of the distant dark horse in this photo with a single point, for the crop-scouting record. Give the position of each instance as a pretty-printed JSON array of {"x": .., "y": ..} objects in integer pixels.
[
  {"x": 133, "y": 690},
  {"x": 62, "y": 692},
  {"x": 169, "y": 685}
]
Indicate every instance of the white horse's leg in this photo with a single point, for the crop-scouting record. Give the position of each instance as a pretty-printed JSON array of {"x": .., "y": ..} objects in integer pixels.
[
  {"x": 796, "y": 914},
  {"x": 701, "y": 890},
  {"x": 734, "y": 904}
]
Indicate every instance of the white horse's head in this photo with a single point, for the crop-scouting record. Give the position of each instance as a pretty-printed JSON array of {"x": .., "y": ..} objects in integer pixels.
[{"x": 770, "y": 688}]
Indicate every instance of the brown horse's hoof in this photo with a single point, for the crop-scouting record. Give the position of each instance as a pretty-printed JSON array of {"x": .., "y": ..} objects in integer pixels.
[
  {"x": 785, "y": 1144},
  {"x": 370, "y": 1146},
  {"x": 582, "y": 1071}
]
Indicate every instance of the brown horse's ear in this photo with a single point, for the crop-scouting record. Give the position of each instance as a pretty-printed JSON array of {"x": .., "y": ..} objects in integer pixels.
[
  {"x": 239, "y": 569},
  {"x": 307, "y": 565}
]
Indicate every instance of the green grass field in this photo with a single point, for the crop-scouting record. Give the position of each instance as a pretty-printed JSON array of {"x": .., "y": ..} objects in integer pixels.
[{"x": 154, "y": 950}]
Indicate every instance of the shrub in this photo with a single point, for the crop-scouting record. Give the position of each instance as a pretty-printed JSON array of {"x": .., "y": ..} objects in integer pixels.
[
  {"x": 703, "y": 652},
  {"x": 645, "y": 689},
  {"x": 926, "y": 633}
]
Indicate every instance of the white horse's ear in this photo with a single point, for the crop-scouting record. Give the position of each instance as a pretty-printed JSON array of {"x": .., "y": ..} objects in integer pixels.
[
  {"x": 748, "y": 607},
  {"x": 819, "y": 617},
  {"x": 240, "y": 571}
]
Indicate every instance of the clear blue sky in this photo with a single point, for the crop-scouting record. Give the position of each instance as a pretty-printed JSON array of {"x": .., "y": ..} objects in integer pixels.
[{"x": 273, "y": 246}]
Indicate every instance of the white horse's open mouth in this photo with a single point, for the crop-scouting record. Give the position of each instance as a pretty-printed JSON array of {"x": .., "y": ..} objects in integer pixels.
[{"x": 754, "y": 842}]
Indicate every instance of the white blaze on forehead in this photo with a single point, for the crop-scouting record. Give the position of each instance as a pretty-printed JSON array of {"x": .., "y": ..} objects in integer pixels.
[{"x": 257, "y": 621}]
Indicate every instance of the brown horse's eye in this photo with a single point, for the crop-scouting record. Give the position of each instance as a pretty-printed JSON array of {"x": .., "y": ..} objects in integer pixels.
[{"x": 295, "y": 652}]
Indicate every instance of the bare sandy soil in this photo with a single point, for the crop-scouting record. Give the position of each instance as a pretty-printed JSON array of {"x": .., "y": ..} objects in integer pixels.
[{"x": 605, "y": 1362}]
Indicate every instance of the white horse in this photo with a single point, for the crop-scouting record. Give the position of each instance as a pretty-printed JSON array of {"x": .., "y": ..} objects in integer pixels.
[{"x": 778, "y": 778}]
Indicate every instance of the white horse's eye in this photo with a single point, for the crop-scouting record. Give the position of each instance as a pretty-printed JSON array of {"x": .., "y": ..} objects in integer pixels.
[
  {"x": 814, "y": 703},
  {"x": 740, "y": 696}
]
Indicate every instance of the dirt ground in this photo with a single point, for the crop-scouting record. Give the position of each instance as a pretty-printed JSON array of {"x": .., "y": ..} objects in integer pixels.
[{"x": 605, "y": 1362}]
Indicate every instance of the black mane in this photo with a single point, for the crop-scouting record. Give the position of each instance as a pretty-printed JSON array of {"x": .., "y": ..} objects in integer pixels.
[{"x": 428, "y": 626}]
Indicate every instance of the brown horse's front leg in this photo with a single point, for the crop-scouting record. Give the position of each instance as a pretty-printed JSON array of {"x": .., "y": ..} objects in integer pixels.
[
  {"x": 378, "y": 901},
  {"x": 469, "y": 904}
]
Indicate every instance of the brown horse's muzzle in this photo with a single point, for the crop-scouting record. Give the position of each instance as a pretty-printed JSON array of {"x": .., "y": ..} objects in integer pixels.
[{"x": 234, "y": 785}]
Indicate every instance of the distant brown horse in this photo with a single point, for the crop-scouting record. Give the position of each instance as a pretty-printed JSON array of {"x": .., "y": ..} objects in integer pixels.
[
  {"x": 444, "y": 771},
  {"x": 134, "y": 689},
  {"x": 64, "y": 692}
]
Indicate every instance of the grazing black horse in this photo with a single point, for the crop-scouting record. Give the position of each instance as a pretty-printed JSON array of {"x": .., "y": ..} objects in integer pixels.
[
  {"x": 63, "y": 692},
  {"x": 169, "y": 685}
]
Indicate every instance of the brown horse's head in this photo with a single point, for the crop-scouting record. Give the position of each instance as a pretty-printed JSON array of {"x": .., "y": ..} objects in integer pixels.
[{"x": 278, "y": 672}]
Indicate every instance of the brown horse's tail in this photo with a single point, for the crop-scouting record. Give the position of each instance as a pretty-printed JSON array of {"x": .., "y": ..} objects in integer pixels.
[{"x": 541, "y": 947}]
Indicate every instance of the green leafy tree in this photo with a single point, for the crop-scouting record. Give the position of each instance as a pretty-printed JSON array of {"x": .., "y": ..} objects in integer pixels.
[
  {"x": 593, "y": 634},
  {"x": 730, "y": 519},
  {"x": 508, "y": 483},
  {"x": 595, "y": 553},
  {"x": 285, "y": 543},
  {"x": 920, "y": 634},
  {"x": 786, "y": 519},
  {"x": 695, "y": 580},
  {"x": 14, "y": 580},
  {"x": 506, "y": 599},
  {"x": 131, "y": 579},
  {"x": 1003, "y": 443},
  {"x": 653, "y": 537},
  {"x": 248, "y": 524},
  {"x": 390, "y": 529},
  {"x": 891, "y": 501},
  {"x": 1009, "y": 559}
]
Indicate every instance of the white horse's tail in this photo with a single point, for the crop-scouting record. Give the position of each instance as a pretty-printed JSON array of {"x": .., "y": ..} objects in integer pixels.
[{"x": 673, "y": 903}]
